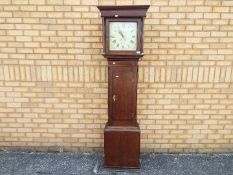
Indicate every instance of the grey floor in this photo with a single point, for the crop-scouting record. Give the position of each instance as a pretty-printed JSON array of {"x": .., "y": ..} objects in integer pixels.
[{"x": 12, "y": 163}]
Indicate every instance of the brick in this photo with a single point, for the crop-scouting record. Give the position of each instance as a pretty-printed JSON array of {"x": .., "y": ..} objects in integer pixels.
[
  {"x": 63, "y": 8},
  {"x": 106, "y": 2},
  {"x": 45, "y": 8},
  {"x": 5, "y": 2},
  {"x": 195, "y": 15},
  {"x": 89, "y": 15},
  {"x": 203, "y": 9},
  {"x": 227, "y": 3},
  {"x": 177, "y": 3},
  {"x": 72, "y": 14},
  {"x": 212, "y": 15},
  {"x": 57, "y": 2},
  {"x": 19, "y": 1},
  {"x": 5, "y": 14},
  {"x": 37, "y": 2},
  {"x": 89, "y": 2},
  {"x": 168, "y": 21},
  {"x": 52, "y": 15},
  {"x": 124, "y": 2}
]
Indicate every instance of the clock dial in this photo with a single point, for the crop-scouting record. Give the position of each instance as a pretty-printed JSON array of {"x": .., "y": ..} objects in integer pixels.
[{"x": 123, "y": 36}]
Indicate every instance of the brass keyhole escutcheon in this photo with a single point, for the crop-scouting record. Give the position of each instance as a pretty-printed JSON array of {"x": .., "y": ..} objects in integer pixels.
[{"x": 114, "y": 97}]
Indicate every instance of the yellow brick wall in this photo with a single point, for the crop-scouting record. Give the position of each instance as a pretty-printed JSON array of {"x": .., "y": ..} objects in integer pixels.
[{"x": 53, "y": 78}]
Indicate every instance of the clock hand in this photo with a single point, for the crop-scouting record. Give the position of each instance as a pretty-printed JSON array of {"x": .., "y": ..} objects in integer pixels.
[{"x": 120, "y": 32}]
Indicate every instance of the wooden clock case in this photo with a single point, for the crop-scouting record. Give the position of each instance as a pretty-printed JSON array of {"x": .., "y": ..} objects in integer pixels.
[{"x": 122, "y": 132}]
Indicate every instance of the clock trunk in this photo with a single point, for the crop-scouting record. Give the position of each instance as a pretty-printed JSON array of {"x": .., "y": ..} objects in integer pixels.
[{"x": 122, "y": 93}]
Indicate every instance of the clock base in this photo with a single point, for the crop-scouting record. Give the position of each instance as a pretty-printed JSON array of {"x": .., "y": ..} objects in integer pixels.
[{"x": 122, "y": 147}]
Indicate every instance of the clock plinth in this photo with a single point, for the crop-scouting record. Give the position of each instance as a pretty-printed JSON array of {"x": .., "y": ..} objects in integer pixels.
[
  {"x": 123, "y": 46},
  {"x": 122, "y": 147}
]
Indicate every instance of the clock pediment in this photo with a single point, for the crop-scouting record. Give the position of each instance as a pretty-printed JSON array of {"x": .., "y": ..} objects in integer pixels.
[{"x": 123, "y": 11}]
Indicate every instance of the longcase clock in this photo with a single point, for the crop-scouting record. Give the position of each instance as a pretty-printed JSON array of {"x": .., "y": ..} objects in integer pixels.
[{"x": 123, "y": 46}]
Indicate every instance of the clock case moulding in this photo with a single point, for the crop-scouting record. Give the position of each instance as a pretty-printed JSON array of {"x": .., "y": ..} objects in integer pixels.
[{"x": 122, "y": 132}]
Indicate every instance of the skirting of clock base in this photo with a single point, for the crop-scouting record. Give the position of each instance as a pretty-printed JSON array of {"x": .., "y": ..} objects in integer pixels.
[{"x": 122, "y": 147}]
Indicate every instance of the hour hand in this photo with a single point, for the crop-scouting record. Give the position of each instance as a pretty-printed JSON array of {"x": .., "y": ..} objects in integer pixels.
[{"x": 121, "y": 34}]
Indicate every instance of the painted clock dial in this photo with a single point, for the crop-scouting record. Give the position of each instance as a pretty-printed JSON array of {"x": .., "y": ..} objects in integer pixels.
[{"x": 123, "y": 36}]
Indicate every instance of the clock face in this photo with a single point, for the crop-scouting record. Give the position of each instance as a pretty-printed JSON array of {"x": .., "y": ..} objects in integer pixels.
[{"x": 123, "y": 36}]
